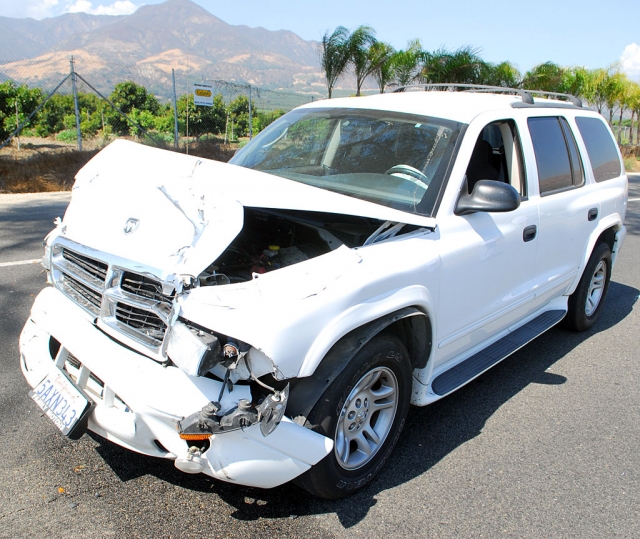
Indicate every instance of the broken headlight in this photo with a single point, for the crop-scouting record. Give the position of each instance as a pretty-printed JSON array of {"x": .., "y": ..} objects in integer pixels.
[{"x": 195, "y": 352}]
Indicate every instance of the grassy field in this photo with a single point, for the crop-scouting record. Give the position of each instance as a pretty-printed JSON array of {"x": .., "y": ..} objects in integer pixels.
[{"x": 42, "y": 164}]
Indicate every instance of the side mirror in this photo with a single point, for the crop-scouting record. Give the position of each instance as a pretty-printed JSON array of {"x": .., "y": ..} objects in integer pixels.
[{"x": 488, "y": 196}]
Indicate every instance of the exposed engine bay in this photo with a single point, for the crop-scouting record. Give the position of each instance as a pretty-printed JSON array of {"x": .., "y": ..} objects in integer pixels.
[
  {"x": 273, "y": 239},
  {"x": 270, "y": 239}
]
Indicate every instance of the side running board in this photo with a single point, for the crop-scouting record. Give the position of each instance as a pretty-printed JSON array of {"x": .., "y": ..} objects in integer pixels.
[{"x": 480, "y": 362}]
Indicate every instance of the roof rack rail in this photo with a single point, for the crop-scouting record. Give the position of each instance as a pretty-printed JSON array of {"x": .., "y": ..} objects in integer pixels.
[{"x": 526, "y": 95}]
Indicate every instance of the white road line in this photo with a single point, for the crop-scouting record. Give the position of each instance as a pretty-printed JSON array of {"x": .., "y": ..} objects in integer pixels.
[
  {"x": 634, "y": 199},
  {"x": 20, "y": 263}
]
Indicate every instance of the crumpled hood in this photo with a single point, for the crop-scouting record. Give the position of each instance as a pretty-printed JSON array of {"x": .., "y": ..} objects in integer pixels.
[{"x": 177, "y": 213}]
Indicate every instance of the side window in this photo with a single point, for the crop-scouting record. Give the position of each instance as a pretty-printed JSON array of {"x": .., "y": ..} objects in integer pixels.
[
  {"x": 557, "y": 158},
  {"x": 600, "y": 147},
  {"x": 577, "y": 172},
  {"x": 497, "y": 156}
]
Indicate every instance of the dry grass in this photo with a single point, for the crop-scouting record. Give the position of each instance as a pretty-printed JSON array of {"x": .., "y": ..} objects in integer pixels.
[
  {"x": 43, "y": 165},
  {"x": 41, "y": 172},
  {"x": 632, "y": 164},
  {"x": 211, "y": 149}
]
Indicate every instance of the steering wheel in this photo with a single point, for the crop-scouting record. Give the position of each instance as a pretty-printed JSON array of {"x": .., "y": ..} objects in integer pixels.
[{"x": 409, "y": 173}]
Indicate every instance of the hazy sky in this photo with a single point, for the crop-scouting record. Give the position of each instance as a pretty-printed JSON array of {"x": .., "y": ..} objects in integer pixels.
[{"x": 591, "y": 33}]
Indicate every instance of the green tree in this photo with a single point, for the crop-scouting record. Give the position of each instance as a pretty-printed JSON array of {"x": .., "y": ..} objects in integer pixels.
[
  {"x": 594, "y": 90},
  {"x": 504, "y": 74},
  {"x": 267, "y": 117},
  {"x": 359, "y": 44},
  {"x": 634, "y": 106},
  {"x": 574, "y": 81},
  {"x": 239, "y": 114},
  {"x": 463, "y": 66},
  {"x": 334, "y": 56},
  {"x": 615, "y": 87},
  {"x": 16, "y": 104},
  {"x": 547, "y": 77},
  {"x": 129, "y": 96},
  {"x": 381, "y": 58},
  {"x": 202, "y": 120},
  {"x": 58, "y": 114},
  {"x": 407, "y": 63},
  {"x": 51, "y": 117}
]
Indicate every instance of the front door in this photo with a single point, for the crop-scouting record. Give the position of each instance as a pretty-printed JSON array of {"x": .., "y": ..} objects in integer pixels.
[{"x": 487, "y": 258}]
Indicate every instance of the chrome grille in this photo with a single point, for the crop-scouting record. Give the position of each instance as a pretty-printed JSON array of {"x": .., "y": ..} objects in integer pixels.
[
  {"x": 83, "y": 292},
  {"x": 93, "y": 267},
  {"x": 142, "y": 320},
  {"x": 130, "y": 303},
  {"x": 139, "y": 285}
]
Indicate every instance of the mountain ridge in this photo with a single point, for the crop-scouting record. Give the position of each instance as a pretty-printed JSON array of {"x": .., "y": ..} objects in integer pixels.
[{"x": 157, "y": 36}]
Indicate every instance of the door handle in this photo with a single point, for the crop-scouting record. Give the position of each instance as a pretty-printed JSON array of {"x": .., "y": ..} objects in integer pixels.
[
  {"x": 529, "y": 233},
  {"x": 593, "y": 214}
]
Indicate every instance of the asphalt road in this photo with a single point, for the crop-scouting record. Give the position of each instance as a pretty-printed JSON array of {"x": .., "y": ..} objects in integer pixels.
[{"x": 543, "y": 445}]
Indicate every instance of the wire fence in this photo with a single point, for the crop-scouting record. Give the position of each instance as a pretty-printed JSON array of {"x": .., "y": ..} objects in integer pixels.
[
  {"x": 57, "y": 104},
  {"x": 88, "y": 102}
]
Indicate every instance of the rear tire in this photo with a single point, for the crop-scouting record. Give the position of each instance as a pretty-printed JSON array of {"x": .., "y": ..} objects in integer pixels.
[
  {"x": 585, "y": 304},
  {"x": 363, "y": 412}
]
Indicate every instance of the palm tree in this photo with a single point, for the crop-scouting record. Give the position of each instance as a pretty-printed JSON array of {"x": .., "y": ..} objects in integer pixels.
[
  {"x": 334, "y": 55},
  {"x": 574, "y": 81},
  {"x": 406, "y": 63},
  {"x": 381, "y": 56},
  {"x": 614, "y": 91},
  {"x": 625, "y": 98},
  {"x": 594, "y": 90},
  {"x": 359, "y": 43},
  {"x": 504, "y": 74},
  {"x": 463, "y": 66},
  {"x": 547, "y": 77},
  {"x": 634, "y": 106}
]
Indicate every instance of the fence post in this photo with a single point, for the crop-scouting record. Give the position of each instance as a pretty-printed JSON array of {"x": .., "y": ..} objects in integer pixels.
[
  {"x": 250, "y": 120},
  {"x": 75, "y": 103},
  {"x": 17, "y": 122},
  {"x": 175, "y": 110}
]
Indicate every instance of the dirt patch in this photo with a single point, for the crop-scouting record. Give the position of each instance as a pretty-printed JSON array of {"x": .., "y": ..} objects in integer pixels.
[{"x": 43, "y": 165}]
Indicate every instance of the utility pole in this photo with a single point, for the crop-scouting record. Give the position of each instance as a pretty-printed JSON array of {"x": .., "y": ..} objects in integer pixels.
[
  {"x": 75, "y": 103},
  {"x": 17, "y": 123},
  {"x": 175, "y": 110},
  {"x": 250, "y": 121}
]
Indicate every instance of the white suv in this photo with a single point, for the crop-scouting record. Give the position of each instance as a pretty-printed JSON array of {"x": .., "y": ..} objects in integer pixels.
[{"x": 273, "y": 318}]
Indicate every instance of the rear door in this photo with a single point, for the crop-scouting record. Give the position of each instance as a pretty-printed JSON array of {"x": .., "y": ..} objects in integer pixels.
[{"x": 569, "y": 209}]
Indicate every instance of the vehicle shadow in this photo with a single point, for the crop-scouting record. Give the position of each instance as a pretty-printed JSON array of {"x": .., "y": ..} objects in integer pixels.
[{"x": 431, "y": 433}]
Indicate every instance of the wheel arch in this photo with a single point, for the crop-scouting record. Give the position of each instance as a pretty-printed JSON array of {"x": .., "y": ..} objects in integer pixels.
[
  {"x": 612, "y": 232},
  {"x": 410, "y": 324}
]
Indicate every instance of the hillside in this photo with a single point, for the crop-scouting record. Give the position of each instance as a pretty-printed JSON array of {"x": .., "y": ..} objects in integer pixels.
[{"x": 176, "y": 34}]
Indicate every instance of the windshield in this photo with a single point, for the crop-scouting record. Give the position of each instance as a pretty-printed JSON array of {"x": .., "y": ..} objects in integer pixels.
[{"x": 397, "y": 160}]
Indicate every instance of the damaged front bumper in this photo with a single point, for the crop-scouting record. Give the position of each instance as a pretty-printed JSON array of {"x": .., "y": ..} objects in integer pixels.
[{"x": 139, "y": 403}]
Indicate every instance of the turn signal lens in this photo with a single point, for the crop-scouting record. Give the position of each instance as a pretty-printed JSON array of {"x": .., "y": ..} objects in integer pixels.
[{"x": 185, "y": 436}]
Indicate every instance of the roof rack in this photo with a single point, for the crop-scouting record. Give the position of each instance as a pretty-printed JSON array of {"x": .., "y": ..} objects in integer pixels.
[{"x": 524, "y": 94}]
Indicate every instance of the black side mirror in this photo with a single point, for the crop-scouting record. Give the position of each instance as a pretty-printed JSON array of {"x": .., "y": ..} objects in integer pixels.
[{"x": 488, "y": 196}]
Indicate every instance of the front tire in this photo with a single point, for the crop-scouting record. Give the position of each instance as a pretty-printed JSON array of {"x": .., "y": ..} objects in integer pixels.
[
  {"x": 585, "y": 304},
  {"x": 363, "y": 412}
]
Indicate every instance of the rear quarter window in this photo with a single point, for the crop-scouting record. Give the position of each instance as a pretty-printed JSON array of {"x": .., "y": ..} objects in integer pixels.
[
  {"x": 552, "y": 155},
  {"x": 601, "y": 148}
]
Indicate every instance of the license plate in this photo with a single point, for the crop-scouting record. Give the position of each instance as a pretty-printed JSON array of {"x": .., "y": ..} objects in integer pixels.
[{"x": 63, "y": 402}]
